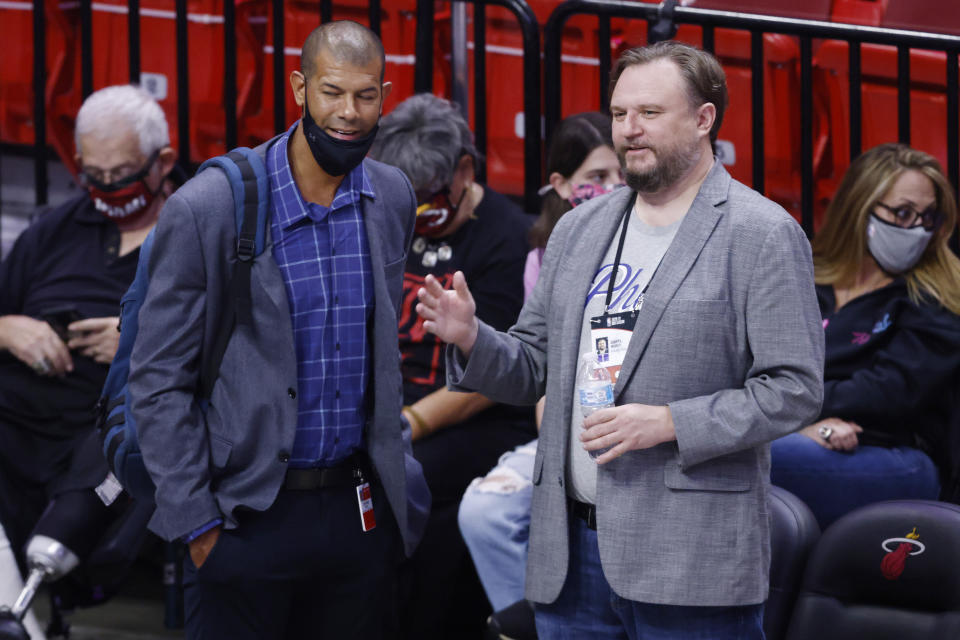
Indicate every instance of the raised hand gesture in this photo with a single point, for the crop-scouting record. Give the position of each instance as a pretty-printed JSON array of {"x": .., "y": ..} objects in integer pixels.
[{"x": 449, "y": 314}]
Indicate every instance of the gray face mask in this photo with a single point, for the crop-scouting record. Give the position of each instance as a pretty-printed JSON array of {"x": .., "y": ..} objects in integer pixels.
[{"x": 894, "y": 248}]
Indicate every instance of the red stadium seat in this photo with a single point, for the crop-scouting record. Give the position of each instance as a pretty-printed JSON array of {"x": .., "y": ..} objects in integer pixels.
[
  {"x": 928, "y": 104},
  {"x": 781, "y": 54},
  {"x": 159, "y": 62},
  {"x": 921, "y": 15},
  {"x": 16, "y": 73}
]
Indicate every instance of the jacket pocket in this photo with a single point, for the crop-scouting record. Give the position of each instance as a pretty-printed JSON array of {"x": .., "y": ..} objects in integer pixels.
[
  {"x": 732, "y": 474},
  {"x": 394, "y": 269},
  {"x": 220, "y": 450}
]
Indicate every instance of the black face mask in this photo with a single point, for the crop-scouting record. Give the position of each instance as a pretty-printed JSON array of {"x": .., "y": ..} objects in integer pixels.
[{"x": 335, "y": 156}]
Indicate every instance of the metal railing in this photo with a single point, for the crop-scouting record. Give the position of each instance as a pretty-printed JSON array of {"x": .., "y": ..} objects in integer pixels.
[
  {"x": 423, "y": 74},
  {"x": 708, "y": 20},
  {"x": 530, "y": 30},
  {"x": 757, "y": 25}
]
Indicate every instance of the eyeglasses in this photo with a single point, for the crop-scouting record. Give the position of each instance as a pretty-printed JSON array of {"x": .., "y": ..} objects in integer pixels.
[
  {"x": 907, "y": 217},
  {"x": 117, "y": 177}
]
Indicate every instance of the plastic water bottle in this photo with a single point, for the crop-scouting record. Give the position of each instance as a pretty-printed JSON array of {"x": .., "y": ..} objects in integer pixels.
[{"x": 595, "y": 387}]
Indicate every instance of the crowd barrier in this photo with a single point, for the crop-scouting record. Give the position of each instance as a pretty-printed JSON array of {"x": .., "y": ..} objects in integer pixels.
[
  {"x": 808, "y": 94},
  {"x": 863, "y": 74},
  {"x": 223, "y": 55}
]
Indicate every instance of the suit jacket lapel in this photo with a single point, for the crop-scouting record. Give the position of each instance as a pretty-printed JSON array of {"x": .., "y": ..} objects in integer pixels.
[
  {"x": 373, "y": 223},
  {"x": 694, "y": 231}
]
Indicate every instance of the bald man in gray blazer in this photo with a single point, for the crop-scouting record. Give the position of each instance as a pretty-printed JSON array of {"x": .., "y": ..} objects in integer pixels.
[{"x": 669, "y": 529}]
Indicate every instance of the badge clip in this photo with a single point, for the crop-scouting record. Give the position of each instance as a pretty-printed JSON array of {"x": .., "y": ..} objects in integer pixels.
[{"x": 368, "y": 520}]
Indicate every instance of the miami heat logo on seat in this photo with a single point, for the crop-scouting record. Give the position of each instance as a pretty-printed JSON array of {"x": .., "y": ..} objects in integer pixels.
[{"x": 895, "y": 561}]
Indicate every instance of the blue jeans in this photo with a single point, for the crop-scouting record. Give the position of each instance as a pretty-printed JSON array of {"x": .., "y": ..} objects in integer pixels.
[
  {"x": 588, "y": 608},
  {"x": 833, "y": 483},
  {"x": 494, "y": 519}
]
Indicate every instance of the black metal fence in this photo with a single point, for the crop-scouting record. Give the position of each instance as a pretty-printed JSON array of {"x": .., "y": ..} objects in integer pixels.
[
  {"x": 530, "y": 29},
  {"x": 805, "y": 31},
  {"x": 708, "y": 20},
  {"x": 423, "y": 73}
]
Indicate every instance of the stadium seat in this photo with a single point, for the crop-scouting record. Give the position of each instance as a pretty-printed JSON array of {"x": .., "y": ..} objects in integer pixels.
[
  {"x": 793, "y": 532},
  {"x": 887, "y": 571},
  {"x": 928, "y": 104},
  {"x": 159, "y": 62},
  {"x": 921, "y": 15},
  {"x": 62, "y": 35}
]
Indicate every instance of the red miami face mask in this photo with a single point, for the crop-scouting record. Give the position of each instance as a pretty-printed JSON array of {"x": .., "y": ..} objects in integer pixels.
[
  {"x": 435, "y": 215},
  {"x": 123, "y": 201}
]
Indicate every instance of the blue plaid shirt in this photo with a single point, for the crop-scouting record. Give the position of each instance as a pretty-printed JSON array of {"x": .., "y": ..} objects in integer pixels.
[{"x": 323, "y": 255}]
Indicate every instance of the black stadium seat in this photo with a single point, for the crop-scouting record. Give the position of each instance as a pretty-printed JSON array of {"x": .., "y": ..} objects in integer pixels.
[
  {"x": 885, "y": 571},
  {"x": 793, "y": 532}
]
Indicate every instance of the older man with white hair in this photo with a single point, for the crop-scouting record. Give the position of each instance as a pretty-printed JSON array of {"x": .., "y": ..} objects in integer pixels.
[{"x": 60, "y": 290}]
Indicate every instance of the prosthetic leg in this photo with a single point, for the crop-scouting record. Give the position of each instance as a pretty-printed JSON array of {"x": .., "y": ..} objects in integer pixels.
[
  {"x": 18, "y": 623},
  {"x": 75, "y": 526}
]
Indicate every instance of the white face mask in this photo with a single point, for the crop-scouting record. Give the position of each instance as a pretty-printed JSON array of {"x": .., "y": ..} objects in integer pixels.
[{"x": 894, "y": 248}]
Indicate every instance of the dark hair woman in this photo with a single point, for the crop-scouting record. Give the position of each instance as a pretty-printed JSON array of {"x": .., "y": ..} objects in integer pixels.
[{"x": 581, "y": 164}]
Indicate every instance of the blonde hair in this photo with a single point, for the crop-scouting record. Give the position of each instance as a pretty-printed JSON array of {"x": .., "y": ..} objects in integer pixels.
[{"x": 841, "y": 245}]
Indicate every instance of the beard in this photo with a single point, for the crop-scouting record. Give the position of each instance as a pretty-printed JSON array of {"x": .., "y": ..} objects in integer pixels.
[{"x": 671, "y": 165}]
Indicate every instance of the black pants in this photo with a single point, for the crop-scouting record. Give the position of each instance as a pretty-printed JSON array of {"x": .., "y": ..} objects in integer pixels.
[
  {"x": 302, "y": 569},
  {"x": 441, "y": 596},
  {"x": 34, "y": 468}
]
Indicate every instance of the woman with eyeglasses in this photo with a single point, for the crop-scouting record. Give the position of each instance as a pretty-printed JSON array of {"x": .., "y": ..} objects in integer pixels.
[{"x": 889, "y": 291}]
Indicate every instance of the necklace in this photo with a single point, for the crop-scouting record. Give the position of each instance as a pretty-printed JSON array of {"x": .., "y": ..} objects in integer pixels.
[{"x": 432, "y": 251}]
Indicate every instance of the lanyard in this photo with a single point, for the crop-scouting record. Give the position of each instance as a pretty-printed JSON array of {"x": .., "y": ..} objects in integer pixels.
[{"x": 616, "y": 263}]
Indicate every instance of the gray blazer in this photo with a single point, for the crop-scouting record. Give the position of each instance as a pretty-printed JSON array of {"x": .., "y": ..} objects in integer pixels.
[
  {"x": 729, "y": 337},
  {"x": 207, "y": 465}
]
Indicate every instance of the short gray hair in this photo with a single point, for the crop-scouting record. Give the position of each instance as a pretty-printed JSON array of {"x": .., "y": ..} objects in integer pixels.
[
  {"x": 424, "y": 136},
  {"x": 127, "y": 104}
]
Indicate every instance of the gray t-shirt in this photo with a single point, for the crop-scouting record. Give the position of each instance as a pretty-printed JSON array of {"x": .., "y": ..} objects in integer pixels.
[{"x": 643, "y": 249}]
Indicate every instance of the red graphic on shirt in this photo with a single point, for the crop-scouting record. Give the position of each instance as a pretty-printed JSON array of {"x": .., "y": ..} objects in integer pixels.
[
  {"x": 895, "y": 561},
  {"x": 420, "y": 351}
]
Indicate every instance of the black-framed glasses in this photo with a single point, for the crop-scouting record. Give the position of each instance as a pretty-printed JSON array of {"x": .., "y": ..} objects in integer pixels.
[
  {"x": 116, "y": 178},
  {"x": 907, "y": 217}
]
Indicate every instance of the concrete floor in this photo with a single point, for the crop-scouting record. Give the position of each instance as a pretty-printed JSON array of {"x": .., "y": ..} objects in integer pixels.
[
  {"x": 122, "y": 618},
  {"x": 136, "y": 613}
]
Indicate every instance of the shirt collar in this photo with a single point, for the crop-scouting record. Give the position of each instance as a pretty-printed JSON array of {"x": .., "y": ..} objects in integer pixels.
[{"x": 294, "y": 208}]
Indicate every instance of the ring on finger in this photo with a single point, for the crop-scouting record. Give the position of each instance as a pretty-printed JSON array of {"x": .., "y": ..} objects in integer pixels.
[
  {"x": 825, "y": 431},
  {"x": 42, "y": 366}
]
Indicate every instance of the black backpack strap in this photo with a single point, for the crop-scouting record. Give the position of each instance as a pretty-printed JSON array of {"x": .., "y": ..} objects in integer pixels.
[
  {"x": 246, "y": 240},
  {"x": 251, "y": 209}
]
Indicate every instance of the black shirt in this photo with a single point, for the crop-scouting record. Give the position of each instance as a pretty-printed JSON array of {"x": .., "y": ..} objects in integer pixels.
[
  {"x": 490, "y": 249},
  {"x": 891, "y": 366},
  {"x": 68, "y": 258}
]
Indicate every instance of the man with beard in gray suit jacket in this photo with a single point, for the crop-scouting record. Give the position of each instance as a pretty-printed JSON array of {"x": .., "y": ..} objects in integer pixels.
[
  {"x": 703, "y": 290},
  {"x": 293, "y": 486}
]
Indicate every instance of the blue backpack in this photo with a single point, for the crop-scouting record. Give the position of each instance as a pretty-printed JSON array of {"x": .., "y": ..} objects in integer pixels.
[{"x": 247, "y": 174}]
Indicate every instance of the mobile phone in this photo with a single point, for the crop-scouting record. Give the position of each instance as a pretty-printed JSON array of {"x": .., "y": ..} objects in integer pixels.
[{"x": 60, "y": 318}]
